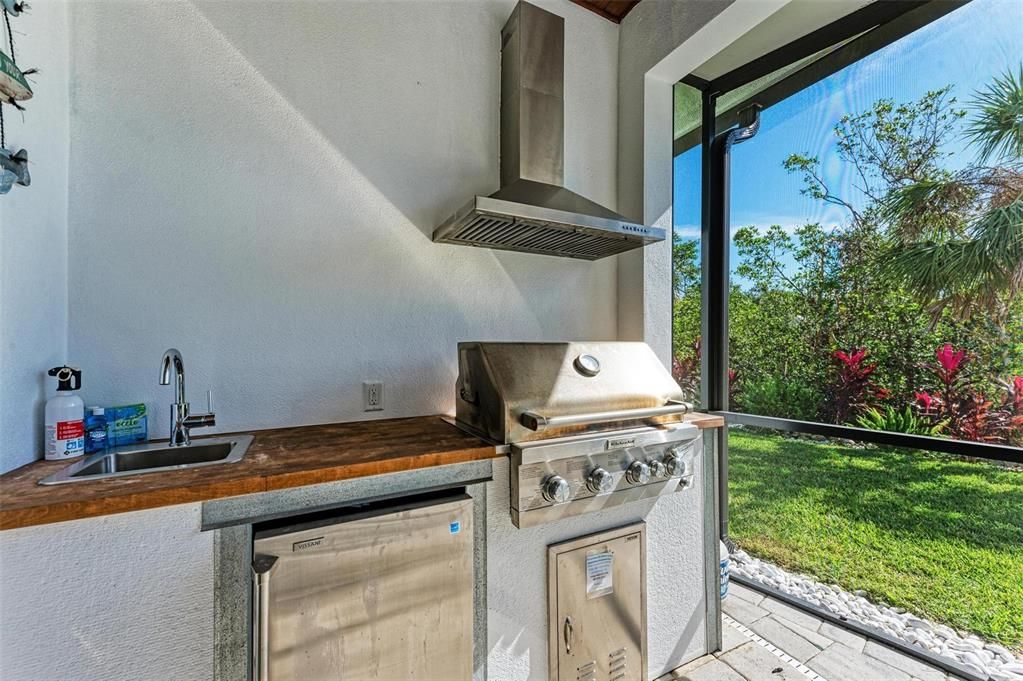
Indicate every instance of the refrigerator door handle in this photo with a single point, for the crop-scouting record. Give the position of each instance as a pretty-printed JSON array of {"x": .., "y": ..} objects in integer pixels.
[
  {"x": 569, "y": 635},
  {"x": 263, "y": 566}
]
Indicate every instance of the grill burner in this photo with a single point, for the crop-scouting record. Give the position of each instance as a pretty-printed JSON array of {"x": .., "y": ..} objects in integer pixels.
[{"x": 588, "y": 425}]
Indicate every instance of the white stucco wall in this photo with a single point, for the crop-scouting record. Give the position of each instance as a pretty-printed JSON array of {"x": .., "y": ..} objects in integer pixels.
[
  {"x": 127, "y": 596},
  {"x": 517, "y": 579},
  {"x": 257, "y": 185},
  {"x": 660, "y": 42},
  {"x": 33, "y": 237},
  {"x": 647, "y": 36}
]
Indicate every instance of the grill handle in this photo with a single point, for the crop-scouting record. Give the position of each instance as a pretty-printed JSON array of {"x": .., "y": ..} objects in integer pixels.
[{"x": 538, "y": 422}]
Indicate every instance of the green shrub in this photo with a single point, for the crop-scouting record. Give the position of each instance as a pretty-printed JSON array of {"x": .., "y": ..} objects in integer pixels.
[
  {"x": 896, "y": 421},
  {"x": 799, "y": 294},
  {"x": 784, "y": 398}
]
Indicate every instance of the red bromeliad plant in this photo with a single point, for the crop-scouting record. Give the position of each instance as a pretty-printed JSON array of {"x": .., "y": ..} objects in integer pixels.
[
  {"x": 733, "y": 387},
  {"x": 949, "y": 368},
  {"x": 686, "y": 372},
  {"x": 1015, "y": 390},
  {"x": 976, "y": 420},
  {"x": 853, "y": 390},
  {"x": 1014, "y": 406},
  {"x": 954, "y": 401},
  {"x": 926, "y": 402},
  {"x": 969, "y": 413}
]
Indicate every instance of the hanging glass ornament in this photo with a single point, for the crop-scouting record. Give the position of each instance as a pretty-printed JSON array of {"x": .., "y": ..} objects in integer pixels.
[{"x": 13, "y": 169}]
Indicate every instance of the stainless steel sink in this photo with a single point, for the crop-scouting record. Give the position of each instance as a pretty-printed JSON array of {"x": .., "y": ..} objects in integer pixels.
[{"x": 153, "y": 458}]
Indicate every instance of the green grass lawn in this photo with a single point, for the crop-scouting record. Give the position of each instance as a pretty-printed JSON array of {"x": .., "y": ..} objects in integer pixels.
[{"x": 937, "y": 536}]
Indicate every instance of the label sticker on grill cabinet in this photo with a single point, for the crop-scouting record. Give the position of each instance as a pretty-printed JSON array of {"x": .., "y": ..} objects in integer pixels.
[
  {"x": 306, "y": 544},
  {"x": 599, "y": 574}
]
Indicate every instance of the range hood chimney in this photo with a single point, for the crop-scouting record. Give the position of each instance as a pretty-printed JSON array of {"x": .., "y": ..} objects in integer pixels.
[{"x": 533, "y": 212}]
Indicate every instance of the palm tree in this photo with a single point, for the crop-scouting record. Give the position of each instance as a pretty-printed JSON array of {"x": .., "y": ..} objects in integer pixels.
[{"x": 957, "y": 239}]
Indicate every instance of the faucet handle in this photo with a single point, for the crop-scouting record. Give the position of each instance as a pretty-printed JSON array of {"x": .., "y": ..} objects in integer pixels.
[{"x": 202, "y": 420}]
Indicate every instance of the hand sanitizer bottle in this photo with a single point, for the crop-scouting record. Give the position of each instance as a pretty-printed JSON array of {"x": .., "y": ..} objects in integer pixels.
[{"x": 65, "y": 416}]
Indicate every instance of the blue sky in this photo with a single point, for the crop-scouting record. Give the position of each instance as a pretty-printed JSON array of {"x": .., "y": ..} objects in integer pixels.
[{"x": 965, "y": 48}]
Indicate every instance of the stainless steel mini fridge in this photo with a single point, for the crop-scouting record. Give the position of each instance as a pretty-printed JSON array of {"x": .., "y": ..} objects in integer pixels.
[{"x": 380, "y": 594}]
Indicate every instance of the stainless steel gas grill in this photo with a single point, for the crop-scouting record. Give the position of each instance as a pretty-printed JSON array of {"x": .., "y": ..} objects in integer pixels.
[{"x": 588, "y": 425}]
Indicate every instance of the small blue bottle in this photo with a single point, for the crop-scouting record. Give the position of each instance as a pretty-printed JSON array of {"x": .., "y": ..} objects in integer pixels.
[{"x": 96, "y": 439}]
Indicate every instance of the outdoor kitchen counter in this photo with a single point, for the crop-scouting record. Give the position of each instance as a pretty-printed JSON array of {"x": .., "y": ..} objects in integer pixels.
[{"x": 277, "y": 459}]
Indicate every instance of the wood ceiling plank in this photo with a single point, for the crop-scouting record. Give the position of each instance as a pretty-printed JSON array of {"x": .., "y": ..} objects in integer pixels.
[
  {"x": 621, "y": 7},
  {"x": 612, "y": 10}
]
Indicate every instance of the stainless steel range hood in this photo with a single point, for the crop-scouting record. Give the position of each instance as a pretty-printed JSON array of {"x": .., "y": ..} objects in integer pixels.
[{"x": 533, "y": 212}]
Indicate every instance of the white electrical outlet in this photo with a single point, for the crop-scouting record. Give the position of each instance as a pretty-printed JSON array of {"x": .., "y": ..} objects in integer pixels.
[{"x": 372, "y": 396}]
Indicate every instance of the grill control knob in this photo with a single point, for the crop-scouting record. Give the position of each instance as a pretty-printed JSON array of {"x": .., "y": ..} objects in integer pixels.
[
  {"x": 638, "y": 473},
  {"x": 556, "y": 489},
  {"x": 600, "y": 481},
  {"x": 658, "y": 469},
  {"x": 675, "y": 462}
]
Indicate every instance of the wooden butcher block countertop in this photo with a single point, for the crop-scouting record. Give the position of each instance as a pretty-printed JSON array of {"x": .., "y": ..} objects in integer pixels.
[{"x": 277, "y": 459}]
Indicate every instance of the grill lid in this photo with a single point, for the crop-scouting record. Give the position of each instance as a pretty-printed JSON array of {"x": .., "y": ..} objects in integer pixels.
[
  {"x": 519, "y": 392},
  {"x": 532, "y": 211}
]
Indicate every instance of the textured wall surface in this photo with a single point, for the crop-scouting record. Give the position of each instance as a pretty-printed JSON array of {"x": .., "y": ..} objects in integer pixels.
[
  {"x": 33, "y": 238},
  {"x": 517, "y": 579},
  {"x": 122, "y": 597},
  {"x": 257, "y": 186},
  {"x": 648, "y": 34}
]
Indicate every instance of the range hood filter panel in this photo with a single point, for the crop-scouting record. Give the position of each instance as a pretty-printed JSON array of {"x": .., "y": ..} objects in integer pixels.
[{"x": 491, "y": 223}]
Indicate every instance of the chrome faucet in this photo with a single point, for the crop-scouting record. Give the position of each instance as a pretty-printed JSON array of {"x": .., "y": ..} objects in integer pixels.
[{"x": 181, "y": 420}]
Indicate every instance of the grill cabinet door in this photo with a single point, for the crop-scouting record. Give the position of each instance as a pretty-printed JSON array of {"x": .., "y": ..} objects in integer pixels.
[
  {"x": 598, "y": 609},
  {"x": 381, "y": 598}
]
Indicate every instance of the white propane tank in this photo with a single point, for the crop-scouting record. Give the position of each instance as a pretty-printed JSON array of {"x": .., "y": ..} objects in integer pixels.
[
  {"x": 725, "y": 566},
  {"x": 65, "y": 416}
]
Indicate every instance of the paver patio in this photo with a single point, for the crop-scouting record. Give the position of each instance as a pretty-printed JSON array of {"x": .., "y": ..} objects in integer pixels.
[{"x": 764, "y": 639}]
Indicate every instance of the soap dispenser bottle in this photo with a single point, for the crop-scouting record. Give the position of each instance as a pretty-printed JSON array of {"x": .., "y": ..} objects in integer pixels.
[
  {"x": 96, "y": 435},
  {"x": 65, "y": 416}
]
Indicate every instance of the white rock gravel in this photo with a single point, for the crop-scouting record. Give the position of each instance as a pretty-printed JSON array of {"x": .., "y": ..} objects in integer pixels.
[{"x": 984, "y": 658}]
